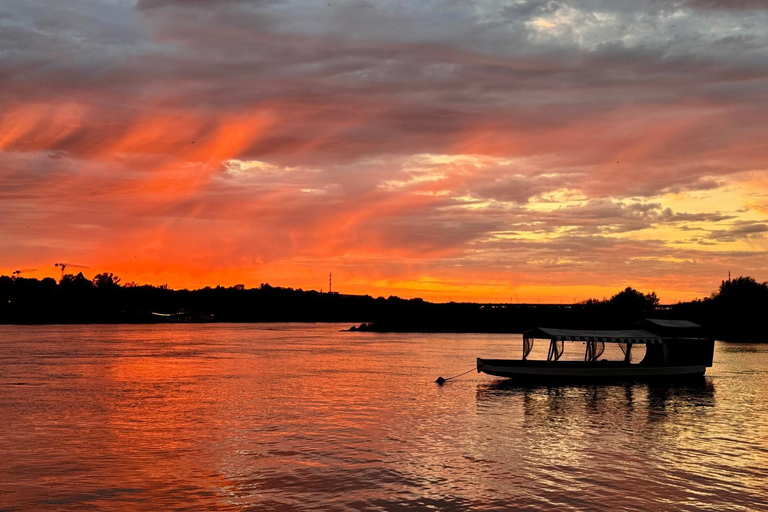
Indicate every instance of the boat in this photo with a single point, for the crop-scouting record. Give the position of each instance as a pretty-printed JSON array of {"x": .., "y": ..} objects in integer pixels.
[{"x": 672, "y": 348}]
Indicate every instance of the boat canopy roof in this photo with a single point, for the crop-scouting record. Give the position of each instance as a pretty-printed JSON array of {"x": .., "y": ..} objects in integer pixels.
[
  {"x": 623, "y": 336},
  {"x": 678, "y": 324}
]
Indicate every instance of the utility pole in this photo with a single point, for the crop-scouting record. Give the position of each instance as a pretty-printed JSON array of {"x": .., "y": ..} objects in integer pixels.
[{"x": 330, "y": 282}]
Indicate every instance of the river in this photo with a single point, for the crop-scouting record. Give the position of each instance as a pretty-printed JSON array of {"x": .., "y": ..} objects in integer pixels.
[{"x": 289, "y": 417}]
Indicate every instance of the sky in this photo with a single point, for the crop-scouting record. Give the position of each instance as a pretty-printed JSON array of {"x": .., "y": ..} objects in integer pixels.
[{"x": 490, "y": 151}]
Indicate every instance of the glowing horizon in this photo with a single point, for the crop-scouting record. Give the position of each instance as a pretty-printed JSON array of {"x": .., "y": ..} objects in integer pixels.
[{"x": 488, "y": 152}]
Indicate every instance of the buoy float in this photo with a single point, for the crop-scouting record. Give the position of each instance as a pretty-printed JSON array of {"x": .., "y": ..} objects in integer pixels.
[{"x": 441, "y": 380}]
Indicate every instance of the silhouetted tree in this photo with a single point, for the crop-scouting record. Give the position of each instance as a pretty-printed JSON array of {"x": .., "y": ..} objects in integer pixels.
[
  {"x": 77, "y": 283},
  {"x": 742, "y": 290},
  {"x": 630, "y": 299},
  {"x": 737, "y": 310},
  {"x": 106, "y": 281}
]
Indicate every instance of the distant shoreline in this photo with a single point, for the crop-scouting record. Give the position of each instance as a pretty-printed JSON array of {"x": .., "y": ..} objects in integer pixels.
[{"x": 734, "y": 313}]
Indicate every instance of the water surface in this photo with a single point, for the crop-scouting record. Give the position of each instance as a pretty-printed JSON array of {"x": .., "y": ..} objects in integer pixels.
[{"x": 249, "y": 417}]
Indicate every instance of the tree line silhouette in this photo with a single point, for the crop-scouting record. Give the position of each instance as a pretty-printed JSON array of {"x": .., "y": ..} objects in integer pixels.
[{"x": 733, "y": 312}]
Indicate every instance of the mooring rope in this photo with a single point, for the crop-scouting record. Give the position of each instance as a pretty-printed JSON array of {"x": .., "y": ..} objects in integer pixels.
[{"x": 441, "y": 380}]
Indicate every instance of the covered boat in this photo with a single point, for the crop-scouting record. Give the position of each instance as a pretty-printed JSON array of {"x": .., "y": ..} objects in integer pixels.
[{"x": 669, "y": 348}]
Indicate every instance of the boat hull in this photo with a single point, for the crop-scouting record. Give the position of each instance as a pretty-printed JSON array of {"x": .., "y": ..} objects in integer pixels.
[{"x": 511, "y": 368}]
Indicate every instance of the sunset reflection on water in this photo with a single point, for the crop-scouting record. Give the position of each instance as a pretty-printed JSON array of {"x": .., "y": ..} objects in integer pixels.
[{"x": 302, "y": 417}]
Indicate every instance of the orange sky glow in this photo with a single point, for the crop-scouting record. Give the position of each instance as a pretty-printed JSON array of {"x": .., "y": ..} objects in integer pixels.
[{"x": 490, "y": 152}]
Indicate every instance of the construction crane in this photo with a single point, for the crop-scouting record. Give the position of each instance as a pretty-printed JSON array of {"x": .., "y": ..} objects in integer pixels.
[
  {"x": 65, "y": 265},
  {"x": 21, "y": 271}
]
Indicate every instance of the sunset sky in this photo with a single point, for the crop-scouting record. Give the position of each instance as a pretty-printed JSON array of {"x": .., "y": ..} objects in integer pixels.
[{"x": 494, "y": 151}]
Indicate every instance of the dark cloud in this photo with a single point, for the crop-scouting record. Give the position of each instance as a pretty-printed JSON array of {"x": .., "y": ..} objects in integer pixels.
[
  {"x": 728, "y": 5},
  {"x": 740, "y": 230}
]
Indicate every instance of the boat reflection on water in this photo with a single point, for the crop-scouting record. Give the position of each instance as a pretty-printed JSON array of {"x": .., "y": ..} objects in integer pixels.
[
  {"x": 693, "y": 385},
  {"x": 658, "y": 443},
  {"x": 601, "y": 413},
  {"x": 656, "y": 398}
]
